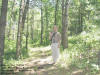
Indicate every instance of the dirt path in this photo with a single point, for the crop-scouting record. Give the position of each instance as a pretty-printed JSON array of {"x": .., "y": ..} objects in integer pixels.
[{"x": 39, "y": 64}]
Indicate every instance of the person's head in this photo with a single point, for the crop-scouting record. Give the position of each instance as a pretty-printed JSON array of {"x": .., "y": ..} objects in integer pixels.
[{"x": 55, "y": 28}]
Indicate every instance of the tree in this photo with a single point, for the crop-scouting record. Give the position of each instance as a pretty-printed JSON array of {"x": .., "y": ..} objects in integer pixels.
[
  {"x": 65, "y": 6},
  {"x": 3, "y": 17},
  {"x": 56, "y": 8},
  {"x": 32, "y": 26},
  {"x": 46, "y": 15},
  {"x": 25, "y": 13},
  {"x": 99, "y": 58},
  {"x": 11, "y": 21},
  {"x": 27, "y": 33},
  {"x": 22, "y": 18},
  {"x": 41, "y": 22},
  {"x": 81, "y": 9}
]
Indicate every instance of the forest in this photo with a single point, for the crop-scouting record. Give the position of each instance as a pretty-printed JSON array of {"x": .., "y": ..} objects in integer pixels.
[{"x": 25, "y": 47}]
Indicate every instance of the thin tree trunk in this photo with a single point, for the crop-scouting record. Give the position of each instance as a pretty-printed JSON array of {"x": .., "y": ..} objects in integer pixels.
[
  {"x": 81, "y": 18},
  {"x": 81, "y": 26},
  {"x": 3, "y": 17},
  {"x": 27, "y": 34},
  {"x": 22, "y": 17},
  {"x": 65, "y": 24},
  {"x": 46, "y": 10},
  {"x": 56, "y": 10},
  {"x": 25, "y": 13},
  {"x": 63, "y": 12},
  {"x": 32, "y": 27},
  {"x": 18, "y": 45},
  {"x": 41, "y": 22},
  {"x": 12, "y": 13}
]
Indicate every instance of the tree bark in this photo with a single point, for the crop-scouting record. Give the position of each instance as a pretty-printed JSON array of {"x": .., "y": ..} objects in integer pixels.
[
  {"x": 99, "y": 58},
  {"x": 25, "y": 13},
  {"x": 41, "y": 22},
  {"x": 22, "y": 18},
  {"x": 65, "y": 23},
  {"x": 46, "y": 10},
  {"x": 81, "y": 21},
  {"x": 3, "y": 17},
  {"x": 11, "y": 14},
  {"x": 56, "y": 10},
  {"x": 32, "y": 27},
  {"x": 81, "y": 9},
  {"x": 27, "y": 34}
]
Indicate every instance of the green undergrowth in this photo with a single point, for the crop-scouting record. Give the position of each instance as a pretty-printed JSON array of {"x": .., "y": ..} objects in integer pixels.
[{"x": 82, "y": 52}]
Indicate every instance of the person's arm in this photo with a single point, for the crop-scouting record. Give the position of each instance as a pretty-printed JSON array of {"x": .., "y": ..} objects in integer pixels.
[
  {"x": 50, "y": 35},
  {"x": 59, "y": 42}
]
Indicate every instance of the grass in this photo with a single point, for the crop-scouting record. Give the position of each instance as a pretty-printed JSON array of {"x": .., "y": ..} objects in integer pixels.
[{"x": 82, "y": 53}]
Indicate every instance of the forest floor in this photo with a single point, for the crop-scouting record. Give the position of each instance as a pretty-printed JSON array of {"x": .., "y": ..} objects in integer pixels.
[{"x": 40, "y": 64}]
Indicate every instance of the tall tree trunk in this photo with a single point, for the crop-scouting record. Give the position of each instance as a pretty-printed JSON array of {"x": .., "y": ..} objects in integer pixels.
[
  {"x": 18, "y": 44},
  {"x": 81, "y": 9},
  {"x": 80, "y": 21},
  {"x": 25, "y": 13},
  {"x": 65, "y": 23},
  {"x": 32, "y": 26},
  {"x": 22, "y": 17},
  {"x": 56, "y": 10},
  {"x": 3, "y": 17},
  {"x": 99, "y": 58},
  {"x": 63, "y": 10},
  {"x": 27, "y": 34},
  {"x": 81, "y": 26},
  {"x": 46, "y": 10},
  {"x": 41, "y": 22},
  {"x": 11, "y": 15}
]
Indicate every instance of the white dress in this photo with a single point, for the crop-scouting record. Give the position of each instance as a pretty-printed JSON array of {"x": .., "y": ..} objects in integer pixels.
[
  {"x": 54, "y": 46},
  {"x": 55, "y": 51}
]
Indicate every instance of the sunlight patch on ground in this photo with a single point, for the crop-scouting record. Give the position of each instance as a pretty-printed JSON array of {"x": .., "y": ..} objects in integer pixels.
[
  {"x": 78, "y": 72},
  {"x": 64, "y": 60},
  {"x": 41, "y": 63}
]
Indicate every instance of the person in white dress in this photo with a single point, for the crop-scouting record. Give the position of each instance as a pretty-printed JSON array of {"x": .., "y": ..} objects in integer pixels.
[{"x": 55, "y": 38}]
